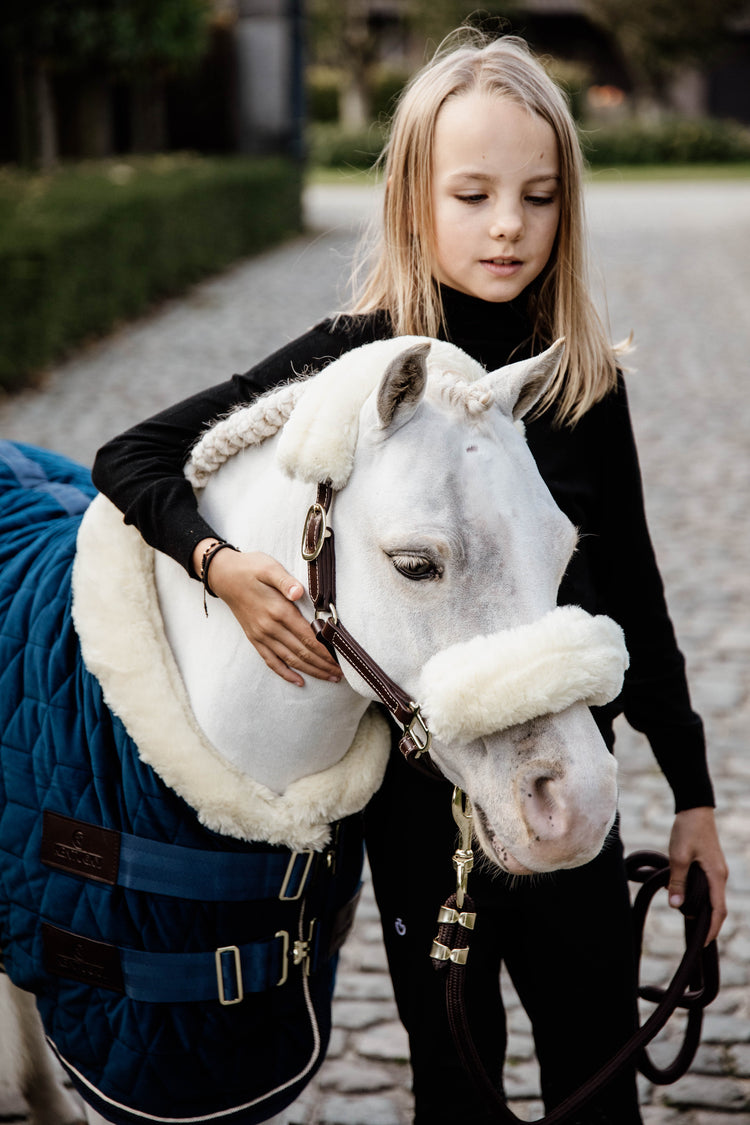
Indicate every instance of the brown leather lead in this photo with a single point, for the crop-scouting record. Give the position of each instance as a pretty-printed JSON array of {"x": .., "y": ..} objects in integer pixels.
[{"x": 699, "y": 967}]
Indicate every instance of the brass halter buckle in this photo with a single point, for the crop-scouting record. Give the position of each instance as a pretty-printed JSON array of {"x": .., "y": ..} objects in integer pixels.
[{"x": 310, "y": 554}]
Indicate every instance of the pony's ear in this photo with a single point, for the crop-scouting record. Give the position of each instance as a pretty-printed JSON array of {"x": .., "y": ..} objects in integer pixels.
[
  {"x": 402, "y": 386},
  {"x": 519, "y": 386}
]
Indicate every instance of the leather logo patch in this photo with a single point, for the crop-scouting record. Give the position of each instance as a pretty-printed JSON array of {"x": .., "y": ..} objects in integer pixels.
[
  {"x": 79, "y": 958},
  {"x": 79, "y": 848}
]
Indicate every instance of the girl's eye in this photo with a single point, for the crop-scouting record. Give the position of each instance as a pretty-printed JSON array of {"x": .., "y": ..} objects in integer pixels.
[
  {"x": 477, "y": 197},
  {"x": 540, "y": 200},
  {"x": 416, "y": 567}
]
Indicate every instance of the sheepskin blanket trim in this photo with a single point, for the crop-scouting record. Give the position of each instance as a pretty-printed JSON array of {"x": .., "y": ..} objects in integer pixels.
[
  {"x": 320, "y": 415},
  {"x": 491, "y": 683},
  {"x": 116, "y": 615}
]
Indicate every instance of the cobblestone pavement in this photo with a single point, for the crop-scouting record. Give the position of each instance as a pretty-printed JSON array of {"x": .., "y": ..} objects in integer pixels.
[{"x": 675, "y": 261}]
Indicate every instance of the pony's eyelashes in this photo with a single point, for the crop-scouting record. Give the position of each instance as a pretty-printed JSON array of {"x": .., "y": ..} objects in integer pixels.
[{"x": 416, "y": 565}]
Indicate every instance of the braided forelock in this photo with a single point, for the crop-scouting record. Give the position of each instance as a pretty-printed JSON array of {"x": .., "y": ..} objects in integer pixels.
[{"x": 474, "y": 398}]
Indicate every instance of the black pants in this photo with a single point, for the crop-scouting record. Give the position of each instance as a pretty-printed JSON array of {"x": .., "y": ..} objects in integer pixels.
[{"x": 565, "y": 940}]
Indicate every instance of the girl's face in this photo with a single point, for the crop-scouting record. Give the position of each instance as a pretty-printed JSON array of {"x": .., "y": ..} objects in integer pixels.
[{"x": 495, "y": 195}]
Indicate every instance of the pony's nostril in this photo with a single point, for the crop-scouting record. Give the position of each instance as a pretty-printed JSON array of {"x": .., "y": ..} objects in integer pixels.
[{"x": 544, "y": 810}]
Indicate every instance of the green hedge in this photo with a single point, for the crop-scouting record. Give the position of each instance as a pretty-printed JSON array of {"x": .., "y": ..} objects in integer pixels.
[
  {"x": 331, "y": 146},
  {"x": 324, "y": 86},
  {"x": 672, "y": 141},
  {"x": 94, "y": 244},
  {"x": 629, "y": 143}
]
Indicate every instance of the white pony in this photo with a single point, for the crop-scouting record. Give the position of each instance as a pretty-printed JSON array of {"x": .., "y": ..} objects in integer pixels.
[{"x": 449, "y": 553}]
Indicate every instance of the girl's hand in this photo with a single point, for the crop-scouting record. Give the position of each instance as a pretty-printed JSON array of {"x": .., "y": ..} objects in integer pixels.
[
  {"x": 694, "y": 837},
  {"x": 261, "y": 595}
]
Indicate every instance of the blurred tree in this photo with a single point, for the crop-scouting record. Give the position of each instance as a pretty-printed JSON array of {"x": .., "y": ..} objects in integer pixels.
[
  {"x": 28, "y": 33},
  {"x": 659, "y": 37},
  {"x": 98, "y": 41},
  {"x": 349, "y": 35}
]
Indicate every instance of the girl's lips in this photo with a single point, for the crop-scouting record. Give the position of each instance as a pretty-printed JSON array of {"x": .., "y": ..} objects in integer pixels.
[{"x": 502, "y": 267}]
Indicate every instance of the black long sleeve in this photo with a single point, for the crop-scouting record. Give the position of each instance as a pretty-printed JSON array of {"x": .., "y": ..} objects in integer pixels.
[
  {"x": 141, "y": 470},
  {"x": 594, "y": 475}
]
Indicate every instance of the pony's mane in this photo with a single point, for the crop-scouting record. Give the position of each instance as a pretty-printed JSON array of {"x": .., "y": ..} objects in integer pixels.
[
  {"x": 244, "y": 426},
  {"x": 319, "y": 415}
]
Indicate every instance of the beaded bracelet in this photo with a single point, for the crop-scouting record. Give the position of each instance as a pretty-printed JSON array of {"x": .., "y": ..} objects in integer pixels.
[{"x": 208, "y": 555}]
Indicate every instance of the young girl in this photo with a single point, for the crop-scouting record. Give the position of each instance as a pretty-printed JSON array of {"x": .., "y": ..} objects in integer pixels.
[{"x": 482, "y": 244}]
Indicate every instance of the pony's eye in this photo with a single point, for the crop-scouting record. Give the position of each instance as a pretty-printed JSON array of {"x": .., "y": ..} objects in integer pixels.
[{"x": 415, "y": 566}]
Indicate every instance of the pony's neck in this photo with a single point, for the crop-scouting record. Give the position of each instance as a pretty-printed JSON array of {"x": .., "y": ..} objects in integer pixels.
[{"x": 267, "y": 728}]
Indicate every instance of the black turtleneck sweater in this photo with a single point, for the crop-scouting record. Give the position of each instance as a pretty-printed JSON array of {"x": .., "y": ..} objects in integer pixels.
[{"x": 592, "y": 472}]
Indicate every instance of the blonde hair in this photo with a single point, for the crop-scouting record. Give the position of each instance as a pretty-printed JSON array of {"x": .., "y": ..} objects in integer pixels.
[{"x": 398, "y": 271}]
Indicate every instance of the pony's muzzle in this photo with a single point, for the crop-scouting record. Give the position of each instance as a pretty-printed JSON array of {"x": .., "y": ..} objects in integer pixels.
[{"x": 490, "y": 683}]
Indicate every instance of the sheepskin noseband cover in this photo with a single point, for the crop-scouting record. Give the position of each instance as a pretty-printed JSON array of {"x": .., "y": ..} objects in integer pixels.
[{"x": 488, "y": 684}]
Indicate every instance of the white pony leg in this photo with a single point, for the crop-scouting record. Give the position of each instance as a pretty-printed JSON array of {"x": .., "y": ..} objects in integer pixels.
[{"x": 27, "y": 1063}]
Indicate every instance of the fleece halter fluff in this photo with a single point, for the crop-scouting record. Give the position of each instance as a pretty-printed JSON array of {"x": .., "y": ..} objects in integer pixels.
[{"x": 488, "y": 684}]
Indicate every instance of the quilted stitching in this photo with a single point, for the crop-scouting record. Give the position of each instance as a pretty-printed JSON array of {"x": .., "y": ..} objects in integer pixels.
[{"x": 62, "y": 749}]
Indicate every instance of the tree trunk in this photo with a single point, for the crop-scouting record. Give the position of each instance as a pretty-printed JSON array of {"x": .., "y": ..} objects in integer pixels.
[
  {"x": 148, "y": 114},
  {"x": 93, "y": 117},
  {"x": 355, "y": 105},
  {"x": 36, "y": 126},
  {"x": 24, "y": 144},
  {"x": 44, "y": 114}
]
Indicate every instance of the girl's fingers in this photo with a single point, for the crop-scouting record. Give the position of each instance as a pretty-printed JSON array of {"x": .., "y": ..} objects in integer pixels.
[
  {"x": 308, "y": 660},
  {"x": 262, "y": 594}
]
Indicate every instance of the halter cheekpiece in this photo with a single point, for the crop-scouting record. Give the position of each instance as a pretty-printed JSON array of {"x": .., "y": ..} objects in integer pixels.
[{"x": 318, "y": 551}]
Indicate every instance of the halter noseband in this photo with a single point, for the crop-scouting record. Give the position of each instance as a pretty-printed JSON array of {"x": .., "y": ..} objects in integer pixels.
[{"x": 318, "y": 551}]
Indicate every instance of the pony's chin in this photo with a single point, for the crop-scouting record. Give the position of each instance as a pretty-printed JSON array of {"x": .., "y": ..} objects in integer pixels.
[
  {"x": 494, "y": 848},
  {"x": 506, "y": 861}
]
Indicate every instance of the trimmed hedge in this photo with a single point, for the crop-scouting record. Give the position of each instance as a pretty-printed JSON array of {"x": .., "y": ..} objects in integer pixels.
[
  {"x": 94, "y": 244},
  {"x": 332, "y": 146},
  {"x": 675, "y": 141},
  {"x": 671, "y": 141}
]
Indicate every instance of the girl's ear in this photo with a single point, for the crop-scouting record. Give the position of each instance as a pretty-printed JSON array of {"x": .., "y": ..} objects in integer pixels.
[
  {"x": 519, "y": 386},
  {"x": 402, "y": 386}
]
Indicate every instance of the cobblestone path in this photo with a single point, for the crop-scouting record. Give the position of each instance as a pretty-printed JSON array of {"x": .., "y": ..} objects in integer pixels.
[{"x": 676, "y": 266}]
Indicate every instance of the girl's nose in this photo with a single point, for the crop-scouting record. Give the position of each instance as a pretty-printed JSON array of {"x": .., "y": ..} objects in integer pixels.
[{"x": 507, "y": 223}]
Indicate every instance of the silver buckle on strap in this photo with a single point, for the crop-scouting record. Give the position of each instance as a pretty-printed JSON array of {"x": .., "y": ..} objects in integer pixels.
[
  {"x": 419, "y": 731},
  {"x": 284, "y": 956},
  {"x": 283, "y": 896},
  {"x": 233, "y": 949}
]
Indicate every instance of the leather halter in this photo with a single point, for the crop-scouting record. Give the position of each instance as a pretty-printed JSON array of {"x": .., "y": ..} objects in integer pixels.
[{"x": 318, "y": 551}]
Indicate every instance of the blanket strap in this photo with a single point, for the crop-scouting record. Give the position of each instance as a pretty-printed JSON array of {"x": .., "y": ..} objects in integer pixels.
[
  {"x": 295, "y": 888},
  {"x": 153, "y": 867},
  {"x": 225, "y": 975}
]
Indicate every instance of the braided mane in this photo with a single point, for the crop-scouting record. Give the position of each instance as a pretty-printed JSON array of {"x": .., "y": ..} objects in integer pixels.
[
  {"x": 320, "y": 441},
  {"x": 245, "y": 426}
]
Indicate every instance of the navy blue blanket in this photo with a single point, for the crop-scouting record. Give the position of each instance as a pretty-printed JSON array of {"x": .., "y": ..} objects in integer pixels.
[{"x": 140, "y": 1036}]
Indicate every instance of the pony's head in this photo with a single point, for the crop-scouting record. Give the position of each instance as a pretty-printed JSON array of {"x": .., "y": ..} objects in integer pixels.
[{"x": 450, "y": 551}]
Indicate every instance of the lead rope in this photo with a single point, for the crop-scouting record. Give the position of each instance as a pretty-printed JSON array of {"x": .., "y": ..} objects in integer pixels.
[{"x": 694, "y": 985}]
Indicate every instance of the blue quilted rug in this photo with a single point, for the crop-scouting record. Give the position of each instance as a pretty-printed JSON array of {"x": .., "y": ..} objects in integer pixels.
[{"x": 65, "y": 760}]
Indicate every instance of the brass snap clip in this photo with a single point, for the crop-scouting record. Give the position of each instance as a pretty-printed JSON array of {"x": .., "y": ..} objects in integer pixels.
[{"x": 463, "y": 858}]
